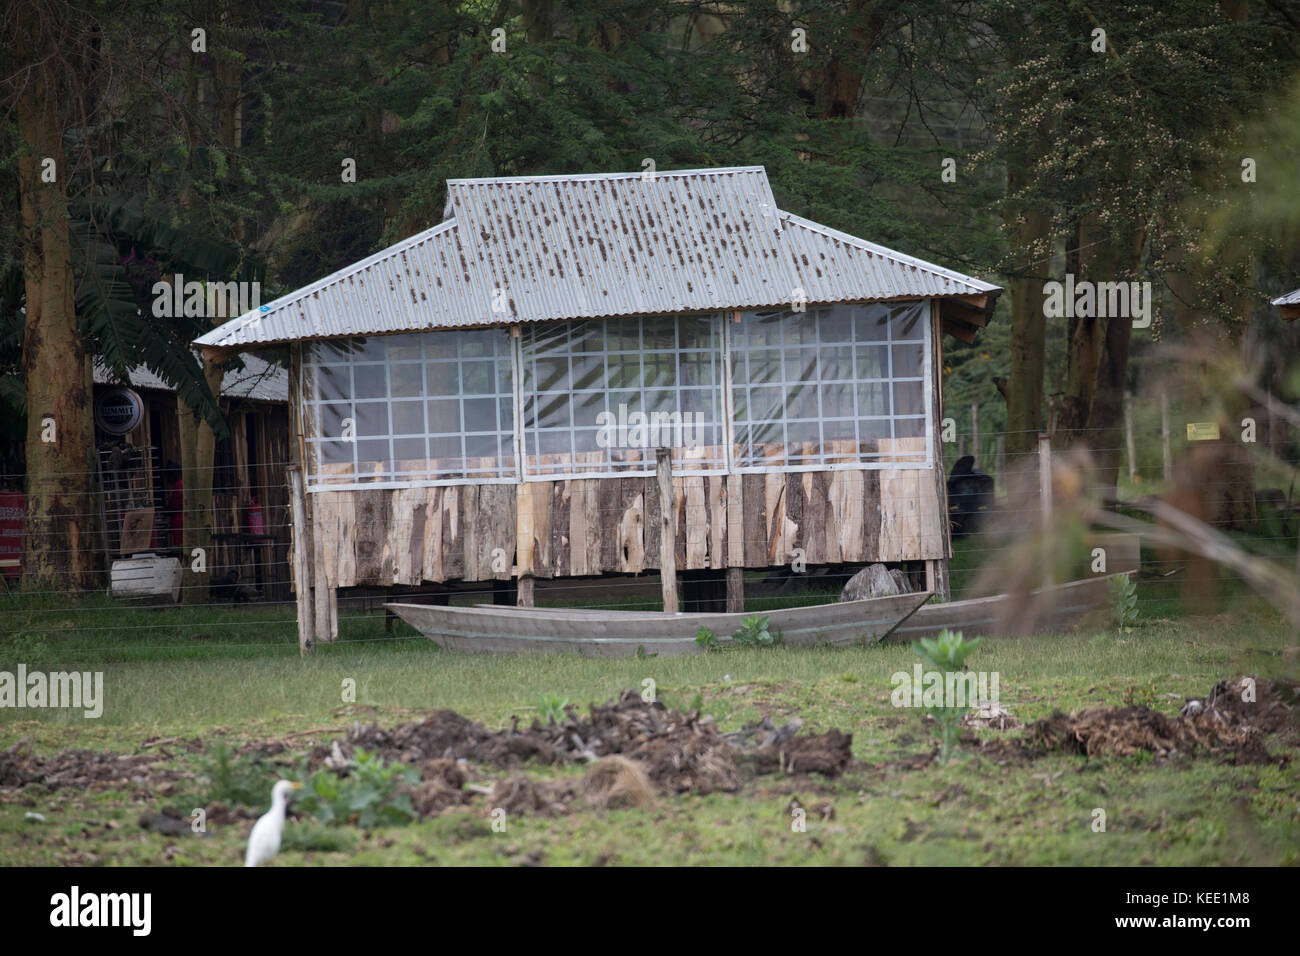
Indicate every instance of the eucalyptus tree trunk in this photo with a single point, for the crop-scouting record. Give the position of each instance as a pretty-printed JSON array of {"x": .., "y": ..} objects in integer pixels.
[{"x": 60, "y": 544}]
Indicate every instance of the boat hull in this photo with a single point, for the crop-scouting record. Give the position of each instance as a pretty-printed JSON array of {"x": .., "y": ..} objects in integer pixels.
[
  {"x": 597, "y": 633},
  {"x": 1058, "y": 609}
]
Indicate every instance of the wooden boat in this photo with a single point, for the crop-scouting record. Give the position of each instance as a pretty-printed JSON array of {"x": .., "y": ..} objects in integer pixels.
[
  {"x": 600, "y": 633},
  {"x": 1057, "y": 608}
]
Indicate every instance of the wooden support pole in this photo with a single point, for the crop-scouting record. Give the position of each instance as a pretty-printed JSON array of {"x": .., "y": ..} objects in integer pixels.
[
  {"x": 334, "y": 614},
  {"x": 320, "y": 593},
  {"x": 975, "y": 431},
  {"x": 735, "y": 590},
  {"x": 1045, "y": 503},
  {"x": 524, "y": 597},
  {"x": 301, "y": 564},
  {"x": 1128, "y": 439},
  {"x": 936, "y": 579},
  {"x": 667, "y": 529},
  {"x": 1164, "y": 436},
  {"x": 1045, "y": 476},
  {"x": 1001, "y": 464}
]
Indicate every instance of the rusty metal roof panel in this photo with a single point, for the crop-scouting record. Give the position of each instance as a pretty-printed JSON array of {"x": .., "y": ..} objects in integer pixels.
[{"x": 535, "y": 248}]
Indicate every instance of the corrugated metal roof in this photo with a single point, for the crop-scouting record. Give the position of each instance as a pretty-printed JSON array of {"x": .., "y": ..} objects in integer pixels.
[
  {"x": 257, "y": 380},
  {"x": 589, "y": 246},
  {"x": 1291, "y": 298}
]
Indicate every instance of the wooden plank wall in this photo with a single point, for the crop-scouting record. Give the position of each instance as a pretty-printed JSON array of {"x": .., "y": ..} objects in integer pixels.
[
  {"x": 607, "y": 525},
  {"x": 595, "y": 526}
]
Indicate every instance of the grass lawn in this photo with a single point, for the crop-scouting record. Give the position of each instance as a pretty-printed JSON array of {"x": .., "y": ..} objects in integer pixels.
[{"x": 234, "y": 675}]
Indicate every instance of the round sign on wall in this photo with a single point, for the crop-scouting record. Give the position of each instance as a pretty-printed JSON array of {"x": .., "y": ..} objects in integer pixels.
[{"x": 118, "y": 410}]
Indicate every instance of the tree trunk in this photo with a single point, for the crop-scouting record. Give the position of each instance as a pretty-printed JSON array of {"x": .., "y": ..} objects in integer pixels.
[
  {"x": 198, "y": 443},
  {"x": 1086, "y": 341},
  {"x": 60, "y": 541},
  {"x": 1030, "y": 227}
]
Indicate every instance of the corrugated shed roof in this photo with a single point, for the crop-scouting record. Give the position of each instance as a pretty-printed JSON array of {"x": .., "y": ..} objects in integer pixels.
[
  {"x": 535, "y": 248},
  {"x": 1291, "y": 298},
  {"x": 257, "y": 380}
]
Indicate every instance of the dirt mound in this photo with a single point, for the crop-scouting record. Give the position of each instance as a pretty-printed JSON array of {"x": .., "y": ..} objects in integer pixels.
[
  {"x": 519, "y": 793},
  {"x": 1231, "y": 723},
  {"x": 617, "y": 782},
  {"x": 828, "y": 754},
  {"x": 74, "y": 768},
  {"x": 443, "y": 734},
  {"x": 1270, "y": 706},
  {"x": 674, "y": 752}
]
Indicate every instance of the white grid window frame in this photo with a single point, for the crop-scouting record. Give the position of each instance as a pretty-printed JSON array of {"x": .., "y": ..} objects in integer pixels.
[
  {"x": 444, "y": 400},
  {"x": 573, "y": 372},
  {"x": 813, "y": 353},
  {"x": 513, "y": 391}
]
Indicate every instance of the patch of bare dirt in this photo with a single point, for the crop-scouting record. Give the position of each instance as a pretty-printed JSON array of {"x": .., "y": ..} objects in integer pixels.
[
  {"x": 678, "y": 752},
  {"x": 1230, "y": 723},
  {"x": 76, "y": 768}
]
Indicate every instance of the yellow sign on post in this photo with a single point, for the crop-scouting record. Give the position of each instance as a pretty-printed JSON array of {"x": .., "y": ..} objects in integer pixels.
[{"x": 1202, "y": 431}]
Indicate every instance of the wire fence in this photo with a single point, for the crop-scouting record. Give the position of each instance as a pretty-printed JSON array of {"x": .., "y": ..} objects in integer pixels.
[{"x": 987, "y": 526}]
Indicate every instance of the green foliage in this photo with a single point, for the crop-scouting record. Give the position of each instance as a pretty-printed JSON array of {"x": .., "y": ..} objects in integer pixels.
[
  {"x": 706, "y": 639},
  {"x": 366, "y": 796},
  {"x": 754, "y": 632},
  {"x": 550, "y": 708},
  {"x": 1123, "y": 601},
  {"x": 946, "y": 653},
  {"x": 235, "y": 781},
  {"x": 1141, "y": 695}
]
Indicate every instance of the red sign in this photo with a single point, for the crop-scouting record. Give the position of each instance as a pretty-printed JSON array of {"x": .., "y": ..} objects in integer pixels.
[{"x": 13, "y": 509}]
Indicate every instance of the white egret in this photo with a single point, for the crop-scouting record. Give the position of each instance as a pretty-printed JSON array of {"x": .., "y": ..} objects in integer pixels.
[{"x": 264, "y": 841}]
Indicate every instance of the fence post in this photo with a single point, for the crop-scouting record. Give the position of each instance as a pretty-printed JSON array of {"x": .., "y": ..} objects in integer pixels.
[
  {"x": 1164, "y": 435},
  {"x": 1128, "y": 439},
  {"x": 302, "y": 568},
  {"x": 1045, "y": 476},
  {"x": 667, "y": 528}
]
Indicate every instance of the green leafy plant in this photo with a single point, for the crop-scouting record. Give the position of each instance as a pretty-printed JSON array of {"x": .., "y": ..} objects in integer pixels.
[
  {"x": 367, "y": 794},
  {"x": 550, "y": 708},
  {"x": 1142, "y": 695},
  {"x": 946, "y": 653},
  {"x": 706, "y": 639},
  {"x": 754, "y": 632},
  {"x": 1123, "y": 601},
  {"x": 234, "y": 781}
]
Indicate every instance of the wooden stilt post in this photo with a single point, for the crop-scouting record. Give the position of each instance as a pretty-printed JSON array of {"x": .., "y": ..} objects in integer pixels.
[
  {"x": 320, "y": 592},
  {"x": 735, "y": 590},
  {"x": 524, "y": 597},
  {"x": 334, "y": 614},
  {"x": 1045, "y": 476},
  {"x": 1128, "y": 439},
  {"x": 667, "y": 529},
  {"x": 301, "y": 564},
  {"x": 1045, "y": 502},
  {"x": 936, "y": 579}
]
